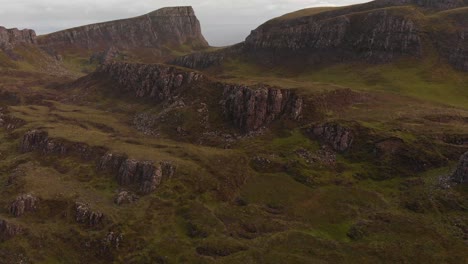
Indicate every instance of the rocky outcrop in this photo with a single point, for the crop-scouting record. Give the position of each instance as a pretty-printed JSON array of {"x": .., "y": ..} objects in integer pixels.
[
  {"x": 250, "y": 108},
  {"x": 23, "y": 204},
  {"x": 38, "y": 140},
  {"x": 337, "y": 136},
  {"x": 377, "y": 35},
  {"x": 10, "y": 38},
  {"x": 156, "y": 81},
  {"x": 125, "y": 197},
  {"x": 172, "y": 26},
  {"x": 84, "y": 215},
  {"x": 145, "y": 174},
  {"x": 461, "y": 173},
  {"x": 9, "y": 230}
]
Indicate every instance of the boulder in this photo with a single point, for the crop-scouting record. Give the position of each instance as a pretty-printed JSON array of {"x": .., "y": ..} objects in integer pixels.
[
  {"x": 84, "y": 215},
  {"x": 9, "y": 230}
]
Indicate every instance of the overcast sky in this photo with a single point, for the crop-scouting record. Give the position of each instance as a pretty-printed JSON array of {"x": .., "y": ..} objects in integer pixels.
[{"x": 223, "y": 22}]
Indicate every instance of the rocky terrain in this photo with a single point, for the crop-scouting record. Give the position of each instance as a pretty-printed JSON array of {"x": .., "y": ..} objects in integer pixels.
[{"x": 331, "y": 135}]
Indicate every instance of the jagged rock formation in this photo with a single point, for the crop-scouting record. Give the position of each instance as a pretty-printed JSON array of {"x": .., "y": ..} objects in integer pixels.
[
  {"x": 84, "y": 215},
  {"x": 37, "y": 140},
  {"x": 339, "y": 137},
  {"x": 145, "y": 174},
  {"x": 9, "y": 38},
  {"x": 461, "y": 173},
  {"x": 252, "y": 108},
  {"x": 171, "y": 26},
  {"x": 156, "y": 81},
  {"x": 9, "y": 230},
  {"x": 23, "y": 204}
]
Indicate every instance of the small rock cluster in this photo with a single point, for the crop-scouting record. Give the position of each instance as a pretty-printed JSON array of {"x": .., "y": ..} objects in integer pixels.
[
  {"x": 23, "y": 204},
  {"x": 9, "y": 230},
  {"x": 84, "y": 215},
  {"x": 145, "y": 174},
  {"x": 340, "y": 138},
  {"x": 125, "y": 197}
]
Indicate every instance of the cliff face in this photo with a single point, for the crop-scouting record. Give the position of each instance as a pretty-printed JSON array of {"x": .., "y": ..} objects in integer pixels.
[
  {"x": 461, "y": 173},
  {"x": 156, "y": 81},
  {"x": 167, "y": 26},
  {"x": 9, "y": 38},
  {"x": 378, "y": 35},
  {"x": 252, "y": 108}
]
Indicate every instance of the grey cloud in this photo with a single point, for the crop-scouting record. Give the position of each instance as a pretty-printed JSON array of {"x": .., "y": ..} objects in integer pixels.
[{"x": 223, "y": 22}]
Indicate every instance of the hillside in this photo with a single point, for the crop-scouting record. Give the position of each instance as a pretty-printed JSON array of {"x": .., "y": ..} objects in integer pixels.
[{"x": 321, "y": 139}]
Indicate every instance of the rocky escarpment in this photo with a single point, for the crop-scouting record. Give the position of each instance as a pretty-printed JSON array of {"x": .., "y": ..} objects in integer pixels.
[
  {"x": 9, "y": 230},
  {"x": 172, "y": 26},
  {"x": 377, "y": 35},
  {"x": 156, "y": 81},
  {"x": 145, "y": 174},
  {"x": 340, "y": 138},
  {"x": 9, "y": 38},
  {"x": 461, "y": 173},
  {"x": 23, "y": 204},
  {"x": 204, "y": 60},
  {"x": 250, "y": 108},
  {"x": 37, "y": 140}
]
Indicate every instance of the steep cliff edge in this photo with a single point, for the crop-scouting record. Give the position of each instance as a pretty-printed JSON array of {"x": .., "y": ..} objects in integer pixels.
[
  {"x": 164, "y": 27},
  {"x": 10, "y": 38}
]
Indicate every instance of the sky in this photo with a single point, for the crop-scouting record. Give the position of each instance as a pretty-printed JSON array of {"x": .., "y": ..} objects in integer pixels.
[{"x": 224, "y": 22}]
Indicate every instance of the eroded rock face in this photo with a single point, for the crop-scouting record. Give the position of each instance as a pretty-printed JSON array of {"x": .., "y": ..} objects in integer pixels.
[
  {"x": 84, "y": 215},
  {"x": 38, "y": 140},
  {"x": 166, "y": 26},
  {"x": 337, "y": 136},
  {"x": 9, "y": 230},
  {"x": 252, "y": 108},
  {"x": 9, "y": 38},
  {"x": 145, "y": 174},
  {"x": 377, "y": 35},
  {"x": 23, "y": 204},
  {"x": 461, "y": 173},
  {"x": 156, "y": 81}
]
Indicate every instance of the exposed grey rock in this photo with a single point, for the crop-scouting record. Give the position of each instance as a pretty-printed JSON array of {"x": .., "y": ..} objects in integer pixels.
[
  {"x": 84, "y": 215},
  {"x": 337, "y": 136},
  {"x": 112, "y": 241},
  {"x": 145, "y": 174},
  {"x": 461, "y": 173},
  {"x": 170, "y": 26},
  {"x": 33, "y": 140},
  {"x": 156, "y": 81},
  {"x": 23, "y": 204},
  {"x": 9, "y": 38},
  {"x": 125, "y": 197},
  {"x": 252, "y": 108}
]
